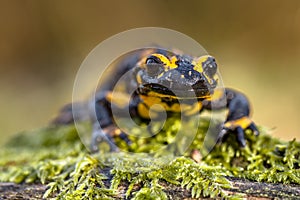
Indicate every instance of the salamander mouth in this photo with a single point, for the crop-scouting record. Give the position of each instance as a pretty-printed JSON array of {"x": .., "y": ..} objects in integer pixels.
[{"x": 179, "y": 93}]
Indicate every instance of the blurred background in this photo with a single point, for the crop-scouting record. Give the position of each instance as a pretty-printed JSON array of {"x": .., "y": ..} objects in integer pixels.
[{"x": 43, "y": 43}]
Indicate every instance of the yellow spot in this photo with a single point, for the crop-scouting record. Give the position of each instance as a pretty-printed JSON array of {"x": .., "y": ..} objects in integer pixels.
[
  {"x": 217, "y": 95},
  {"x": 147, "y": 113},
  {"x": 160, "y": 75},
  {"x": 143, "y": 111},
  {"x": 120, "y": 99},
  {"x": 159, "y": 95},
  {"x": 198, "y": 63},
  {"x": 176, "y": 107},
  {"x": 243, "y": 122},
  {"x": 162, "y": 58},
  {"x": 155, "y": 106},
  {"x": 117, "y": 132},
  {"x": 203, "y": 59},
  {"x": 198, "y": 66},
  {"x": 158, "y": 107},
  {"x": 168, "y": 63},
  {"x": 194, "y": 109},
  {"x": 150, "y": 100},
  {"x": 139, "y": 79},
  {"x": 173, "y": 61}
]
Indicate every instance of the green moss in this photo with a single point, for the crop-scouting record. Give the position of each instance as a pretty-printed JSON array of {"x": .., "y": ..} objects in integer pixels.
[{"x": 56, "y": 156}]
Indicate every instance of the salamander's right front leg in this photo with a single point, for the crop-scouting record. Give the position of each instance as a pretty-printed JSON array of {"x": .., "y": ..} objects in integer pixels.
[
  {"x": 99, "y": 135},
  {"x": 104, "y": 128}
]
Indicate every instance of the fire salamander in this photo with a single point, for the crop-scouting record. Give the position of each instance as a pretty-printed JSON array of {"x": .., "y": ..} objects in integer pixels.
[{"x": 157, "y": 76}]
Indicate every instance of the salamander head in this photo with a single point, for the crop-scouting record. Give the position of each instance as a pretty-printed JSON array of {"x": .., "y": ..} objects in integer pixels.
[{"x": 179, "y": 76}]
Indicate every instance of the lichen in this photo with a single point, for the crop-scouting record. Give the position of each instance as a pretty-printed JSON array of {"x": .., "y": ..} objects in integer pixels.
[{"x": 57, "y": 157}]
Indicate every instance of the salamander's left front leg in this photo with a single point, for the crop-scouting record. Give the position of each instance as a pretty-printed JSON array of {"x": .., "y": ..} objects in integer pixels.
[{"x": 238, "y": 119}]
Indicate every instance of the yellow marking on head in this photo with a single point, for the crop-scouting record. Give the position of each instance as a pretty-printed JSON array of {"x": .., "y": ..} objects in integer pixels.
[
  {"x": 173, "y": 61},
  {"x": 211, "y": 80},
  {"x": 198, "y": 63},
  {"x": 203, "y": 59},
  {"x": 143, "y": 55},
  {"x": 160, "y": 75},
  {"x": 243, "y": 122},
  {"x": 198, "y": 66},
  {"x": 168, "y": 63},
  {"x": 162, "y": 58}
]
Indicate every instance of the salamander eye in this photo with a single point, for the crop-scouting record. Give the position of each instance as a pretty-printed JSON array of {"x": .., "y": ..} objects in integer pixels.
[
  {"x": 210, "y": 66},
  {"x": 154, "y": 66},
  {"x": 153, "y": 60}
]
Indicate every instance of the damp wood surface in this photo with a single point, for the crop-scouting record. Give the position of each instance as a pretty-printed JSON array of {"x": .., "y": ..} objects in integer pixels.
[{"x": 251, "y": 190}]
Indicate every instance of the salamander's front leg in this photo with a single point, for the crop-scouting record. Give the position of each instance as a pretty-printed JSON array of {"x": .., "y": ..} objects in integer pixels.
[
  {"x": 238, "y": 119},
  {"x": 104, "y": 128}
]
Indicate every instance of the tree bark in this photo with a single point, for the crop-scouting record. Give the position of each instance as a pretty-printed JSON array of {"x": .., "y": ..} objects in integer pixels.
[{"x": 251, "y": 190}]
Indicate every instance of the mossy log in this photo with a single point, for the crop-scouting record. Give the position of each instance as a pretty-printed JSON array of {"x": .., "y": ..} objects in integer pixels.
[
  {"x": 251, "y": 190},
  {"x": 57, "y": 164}
]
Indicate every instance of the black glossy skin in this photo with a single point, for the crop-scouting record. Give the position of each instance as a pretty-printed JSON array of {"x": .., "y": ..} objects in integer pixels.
[{"x": 158, "y": 76}]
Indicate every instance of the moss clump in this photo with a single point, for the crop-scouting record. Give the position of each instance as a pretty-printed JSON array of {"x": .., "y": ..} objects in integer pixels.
[
  {"x": 57, "y": 157},
  {"x": 265, "y": 159}
]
